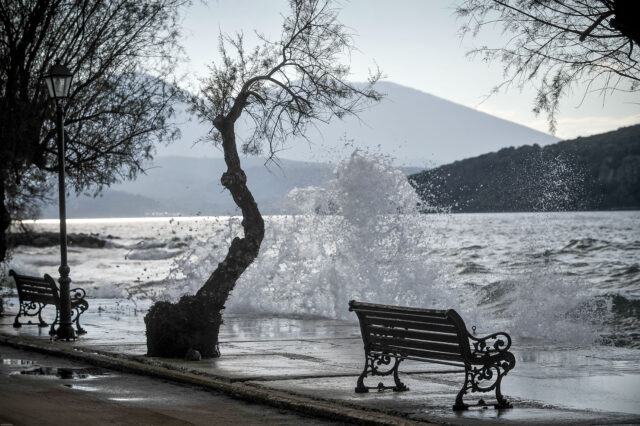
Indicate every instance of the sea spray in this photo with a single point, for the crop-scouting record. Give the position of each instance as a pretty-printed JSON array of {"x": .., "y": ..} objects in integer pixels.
[
  {"x": 541, "y": 301},
  {"x": 543, "y": 305},
  {"x": 364, "y": 238},
  {"x": 480, "y": 261}
]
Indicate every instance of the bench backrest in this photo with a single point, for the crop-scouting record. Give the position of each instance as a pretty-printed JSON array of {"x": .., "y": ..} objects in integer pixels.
[
  {"x": 423, "y": 334},
  {"x": 35, "y": 289}
]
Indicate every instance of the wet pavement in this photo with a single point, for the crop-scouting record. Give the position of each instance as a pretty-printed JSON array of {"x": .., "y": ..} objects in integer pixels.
[
  {"x": 319, "y": 360},
  {"x": 40, "y": 389}
]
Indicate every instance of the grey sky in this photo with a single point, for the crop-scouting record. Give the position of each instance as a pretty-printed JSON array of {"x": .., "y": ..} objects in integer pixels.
[{"x": 416, "y": 44}]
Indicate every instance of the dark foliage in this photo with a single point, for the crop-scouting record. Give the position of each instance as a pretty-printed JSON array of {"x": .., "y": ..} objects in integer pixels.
[
  {"x": 115, "y": 112},
  {"x": 554, "y": 45},
  {"x": 600, "y": 172}
]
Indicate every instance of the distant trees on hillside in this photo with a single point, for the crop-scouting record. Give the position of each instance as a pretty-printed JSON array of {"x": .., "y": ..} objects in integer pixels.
[
  {"x": 556, "y": 44},
  {"x": 600, "y": 172}
]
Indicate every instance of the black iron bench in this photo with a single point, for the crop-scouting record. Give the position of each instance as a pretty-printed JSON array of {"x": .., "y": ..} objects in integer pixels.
[
  {"x": 430, "y": 335},
  {"x": 35, "y": 293}
]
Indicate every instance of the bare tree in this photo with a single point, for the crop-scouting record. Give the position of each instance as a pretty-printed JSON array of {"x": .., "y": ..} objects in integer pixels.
[
  {"x": 116, "y": 110},
  {"x": 281, "y": 87},
  {"x": 556, "y": 44}
]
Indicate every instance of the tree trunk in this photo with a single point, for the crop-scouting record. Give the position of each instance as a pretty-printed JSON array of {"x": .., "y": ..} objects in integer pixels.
[
  {"x": 194, "y": 322},
  {"x": 5, "y": 221},
  {"x": 626, "y": 19}
]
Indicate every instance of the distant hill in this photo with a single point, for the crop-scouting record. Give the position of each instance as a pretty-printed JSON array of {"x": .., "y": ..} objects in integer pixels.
[
  {"x": 191, "y": 186},
  {"x": 600, "y": 172},
  {"x": 416, "y": 128}
]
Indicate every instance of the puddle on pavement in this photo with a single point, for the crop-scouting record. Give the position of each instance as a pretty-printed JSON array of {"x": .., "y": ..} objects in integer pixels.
[
  {"x": 82, "y": 387},
  {"x": 128, "y": 399},
  {"x": 14, "y": 361},
  {"x": 66, "y": 372}
]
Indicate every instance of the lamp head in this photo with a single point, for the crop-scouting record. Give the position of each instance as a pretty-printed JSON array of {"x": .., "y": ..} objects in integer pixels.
[{"x": 58, "y": 81}]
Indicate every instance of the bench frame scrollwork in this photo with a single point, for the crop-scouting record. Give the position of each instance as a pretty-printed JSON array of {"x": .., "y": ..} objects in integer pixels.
[
  {"x": 392, "y": 334},
  {"x": 372, "y": 364},
  {"x": 35, "y": 293},
  {"x": 490, "y": 361}
]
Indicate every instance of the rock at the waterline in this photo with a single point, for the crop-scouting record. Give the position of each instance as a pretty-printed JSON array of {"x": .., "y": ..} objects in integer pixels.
[
  {"x": 48, "y": 239},
  {"x": 193, "y": 355}
]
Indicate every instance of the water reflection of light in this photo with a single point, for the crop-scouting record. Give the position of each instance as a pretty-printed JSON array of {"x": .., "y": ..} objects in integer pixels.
[
  {"x": 99, "y": 220},
  {"x": 128, "y": 399}
]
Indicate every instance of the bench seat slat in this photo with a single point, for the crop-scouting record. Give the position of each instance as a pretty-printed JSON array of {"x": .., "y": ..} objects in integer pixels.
[
  {"x": 33, "y": 283},
  {"x": 390, "y": 322},
  {"x": 31, "y": 290},
  {"x": 423, "y": 354},
  {"x": 358, "y": 306},
  {"x": 416, "y": 344},
  {"x": 436, "y": 319},
  {"x": 451, "y": 337},
  {"x": 431, "y": 360},
  {"x": 40, "y": 298},
  {"x": 38, "y": 289}
]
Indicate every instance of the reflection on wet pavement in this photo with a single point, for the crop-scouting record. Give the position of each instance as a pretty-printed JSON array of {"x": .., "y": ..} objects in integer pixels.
[
  {"x": 322, "y": 358},
  {"x": 66, "y": 373},
  {"x": 70, "y": 392}
]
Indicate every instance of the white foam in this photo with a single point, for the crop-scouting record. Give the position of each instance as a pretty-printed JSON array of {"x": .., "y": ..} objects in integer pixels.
[{"x": 363, "y": 238}]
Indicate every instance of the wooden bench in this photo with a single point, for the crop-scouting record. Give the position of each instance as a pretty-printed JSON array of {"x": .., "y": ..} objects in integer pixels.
[
  {"x": 35, "y": 293},
  {"x": 431, "y": 335}
]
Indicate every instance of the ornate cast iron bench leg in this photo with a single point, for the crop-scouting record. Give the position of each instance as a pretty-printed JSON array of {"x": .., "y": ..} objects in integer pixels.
[
  {"x": 42, "y": 322},
  {"x": 30, "y": 309},
  {"x": 16, "y": 323},
  {"x": 492, "y": 372},
  {"x": 79, "y": 305},
  {"x": 78, "y": 311},
  {"x": 52, "y": 330},
  {"x": 372, "y": 364}
]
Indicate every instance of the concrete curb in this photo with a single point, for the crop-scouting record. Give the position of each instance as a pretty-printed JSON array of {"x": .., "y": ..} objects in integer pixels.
[{"x": 248, "y": 392}]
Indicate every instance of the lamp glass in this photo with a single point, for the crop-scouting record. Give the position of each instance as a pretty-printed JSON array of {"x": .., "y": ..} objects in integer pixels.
[{"x": 59, "y": 81}]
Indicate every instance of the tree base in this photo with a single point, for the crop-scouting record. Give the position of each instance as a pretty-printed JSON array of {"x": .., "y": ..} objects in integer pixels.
[{"x": 175, "y": 328}]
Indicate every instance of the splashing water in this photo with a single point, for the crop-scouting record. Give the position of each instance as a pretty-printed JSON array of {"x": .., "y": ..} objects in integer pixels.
[
  {"x": 543, "y": 305},
  {"x": 363, "y": 238},
  {"x": 559, "y": 184}
]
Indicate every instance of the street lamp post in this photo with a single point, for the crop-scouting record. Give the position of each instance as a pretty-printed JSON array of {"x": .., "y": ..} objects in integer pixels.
[{"x": 58, "y": 82}]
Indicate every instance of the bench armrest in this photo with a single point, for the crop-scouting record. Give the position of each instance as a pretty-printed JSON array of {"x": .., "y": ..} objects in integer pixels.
[
  {"x": 77, "y": 293},
  {"x": 491, "y": 344}
]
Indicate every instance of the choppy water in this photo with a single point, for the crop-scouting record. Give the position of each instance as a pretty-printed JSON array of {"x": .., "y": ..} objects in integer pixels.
[{"x": 566, "y": 277}]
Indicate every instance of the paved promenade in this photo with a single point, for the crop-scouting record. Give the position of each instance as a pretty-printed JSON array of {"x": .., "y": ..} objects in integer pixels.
[{"x": 311, "y": 366}]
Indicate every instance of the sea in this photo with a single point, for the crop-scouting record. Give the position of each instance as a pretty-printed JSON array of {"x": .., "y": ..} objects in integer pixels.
[{"x": 562, "y": 278}]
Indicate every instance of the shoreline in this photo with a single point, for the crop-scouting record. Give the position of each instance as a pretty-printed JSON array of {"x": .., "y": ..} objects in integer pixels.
[{"x": 311, "y": 366}]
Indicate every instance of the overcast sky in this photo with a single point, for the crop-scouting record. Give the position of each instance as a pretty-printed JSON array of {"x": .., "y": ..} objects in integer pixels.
[{"x": 416, "y": 44}]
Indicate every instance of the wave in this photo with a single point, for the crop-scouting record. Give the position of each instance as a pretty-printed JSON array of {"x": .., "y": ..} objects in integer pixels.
[
  {"x": 628, "y": 271},
  {"x": 472, "y": 268},
  {"x": 375, "y": 247},
  {"x": 586, "y": 245},
  {"x": 152, "y": 254}
]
